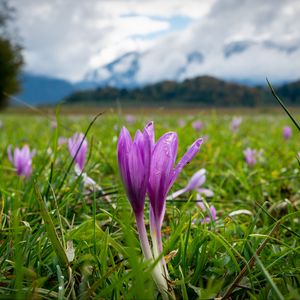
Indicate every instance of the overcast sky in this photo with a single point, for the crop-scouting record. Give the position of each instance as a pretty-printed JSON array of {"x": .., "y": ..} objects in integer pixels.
[{"x": 237, "y": 38}]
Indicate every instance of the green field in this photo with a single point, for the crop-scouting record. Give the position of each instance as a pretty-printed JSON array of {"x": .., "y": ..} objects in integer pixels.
[{"x": 255, "y": 237}]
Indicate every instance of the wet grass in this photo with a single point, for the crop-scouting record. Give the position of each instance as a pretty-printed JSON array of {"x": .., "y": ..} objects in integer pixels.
[{"x": 251, "y": 251}]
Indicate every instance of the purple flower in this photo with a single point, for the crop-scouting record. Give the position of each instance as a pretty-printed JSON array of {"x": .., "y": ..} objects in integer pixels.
[
  {"x": 287, "y": 132},
  {"x": 134, "y": 159},
  {"x": 130, "y": 119},
  {"x": 251, "y": 156},
  {"x": 195, "y": 183},
  {"x": 148, "y": 167},
  {"x": 162, "y": 171},
  {"x": 62, "y": 140},
  {"x": 212, "y": 216},
  {"x": 88, "y": 182},
  {"x": 181, "y": 123},
  {"x": 235, "y": 124},
  {"x": 53, "y": 124},
  {"x": 197, "y": 125},
  {"x": 21, "y": 159},
  {"x": 77, "y": 145}
]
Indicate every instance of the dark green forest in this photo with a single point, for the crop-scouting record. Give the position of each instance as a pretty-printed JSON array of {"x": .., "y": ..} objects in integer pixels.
[{"x": 202, "y": 91}]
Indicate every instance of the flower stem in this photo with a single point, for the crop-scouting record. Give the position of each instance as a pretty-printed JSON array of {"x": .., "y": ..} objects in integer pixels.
[
  {"x": 157, "y": 272},
  {"x": 143, "y": 236}
]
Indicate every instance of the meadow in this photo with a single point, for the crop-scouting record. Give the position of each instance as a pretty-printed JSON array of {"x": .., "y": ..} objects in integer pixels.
[{"x": 62, "y": 238}]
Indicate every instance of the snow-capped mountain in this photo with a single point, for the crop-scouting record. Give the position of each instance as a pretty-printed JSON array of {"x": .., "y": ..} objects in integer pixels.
[
  {"x": 119, "y": 73},
  {"x": 123, "y": 72}
]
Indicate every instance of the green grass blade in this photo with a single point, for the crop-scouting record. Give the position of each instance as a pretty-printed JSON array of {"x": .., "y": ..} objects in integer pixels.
[
  {"x": 268, "y": 277},
  {"x": 56, "y": 244},
  {"x": 283, "y": 106}
]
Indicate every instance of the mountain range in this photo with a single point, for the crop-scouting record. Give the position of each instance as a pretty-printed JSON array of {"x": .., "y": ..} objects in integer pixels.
[
  {"x": 120, "y": 77},
  {"x": 199, "y": 91}
]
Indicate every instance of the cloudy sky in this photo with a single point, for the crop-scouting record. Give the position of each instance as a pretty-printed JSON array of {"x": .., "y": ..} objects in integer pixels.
[{"x": 231, "y": 39}]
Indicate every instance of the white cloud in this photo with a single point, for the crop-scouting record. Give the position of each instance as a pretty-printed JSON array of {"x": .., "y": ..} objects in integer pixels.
[
  {"x": 68, "y": 38},
  {"x": 270, "y": 27}
]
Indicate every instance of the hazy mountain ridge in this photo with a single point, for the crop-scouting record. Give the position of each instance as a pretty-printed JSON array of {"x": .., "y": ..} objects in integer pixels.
[
  {"x": 41, "y": 90},
  {"x": 202, "y": 90}
]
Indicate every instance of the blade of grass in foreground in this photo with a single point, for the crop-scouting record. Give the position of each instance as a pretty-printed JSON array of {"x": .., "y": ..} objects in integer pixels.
[
  {"x": 283, "y": 106},
  {"x": 57, "y": 246},
  {"x": 268, "y": 277}
]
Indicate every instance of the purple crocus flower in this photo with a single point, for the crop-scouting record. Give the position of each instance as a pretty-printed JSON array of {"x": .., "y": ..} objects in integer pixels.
[
  {"x": 251, "y": 156},
  {"x": 195, "y": 183},
  {"x": 181, "y": 123},
  {"x": 162, "y": 176},
  {"x": 212, "y": 216},
  {"x": 162, "y": 171},
  {"x": 134, "y": 158},
  {"x": 62, "y": 140},
  {"x": 287, "y": 132},
  {"x": 77, "y": 145},
  {"x": 21, "y": 159},
  {"x": 130, "y": 119},
  {"x": 235, "y": 124},
  {"x": 197, "y": 125},
  {"x": 53, "y": 124}
]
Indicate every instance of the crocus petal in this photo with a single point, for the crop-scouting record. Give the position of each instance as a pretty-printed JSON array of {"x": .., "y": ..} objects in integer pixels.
[
  {"x": 206, "y": 192},
  {"x": 27, "y": 170},
  {"x": 213, "y": 213},
  {"x": 9, "y": 154},
  {"x": 134, "y": 164},
  {"x": 150, "y": 129},
  {"x": 163, "y": 159},
  {"x": 22, "y": 160},
  {"x": 196, "y": 180},
  {"x": 177, "y": 193},
  {"x": 187, "y": 157},
  {"x": 77, "y": 145}
]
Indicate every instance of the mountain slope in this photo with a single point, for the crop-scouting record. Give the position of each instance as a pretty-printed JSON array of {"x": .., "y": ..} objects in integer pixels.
[{"x": 43, "y": 90}]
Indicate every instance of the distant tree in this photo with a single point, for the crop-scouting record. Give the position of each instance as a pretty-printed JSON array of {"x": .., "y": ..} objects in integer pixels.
[{"x": 11, "y": 60}]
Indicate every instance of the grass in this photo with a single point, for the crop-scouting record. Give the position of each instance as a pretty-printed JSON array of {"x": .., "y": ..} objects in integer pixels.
[{"x": 44, "y": 219}]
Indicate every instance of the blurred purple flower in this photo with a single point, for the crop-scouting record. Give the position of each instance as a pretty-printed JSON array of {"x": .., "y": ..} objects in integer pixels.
[
  {"x": 53, "y": 124},
  {"x": 62, "y": 140},
  {"x": 77, "y": 145},
  {"x": 88, "y": 182},
  {"x": 197, "y": 125},
  {"x": 130, "y": 119},
  {"x": 251, "y": 156},
  {"x": 21, "y": 159},
  {"x": 287, "y": 132},
  {"x": 195, "y": 183},
  {"x": 181, "y": 123},
  {"x": 212, "y": 216},
  {"x": 235, "y": 124}
]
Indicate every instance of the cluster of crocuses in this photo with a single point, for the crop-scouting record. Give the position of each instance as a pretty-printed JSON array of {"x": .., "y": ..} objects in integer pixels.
[
  {"x": 148, "y": 167},
  {"x": 21, "y": 158}
]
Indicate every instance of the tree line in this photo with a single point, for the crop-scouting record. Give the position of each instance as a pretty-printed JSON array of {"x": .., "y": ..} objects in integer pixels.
[{"x": 202, "y": 90}]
